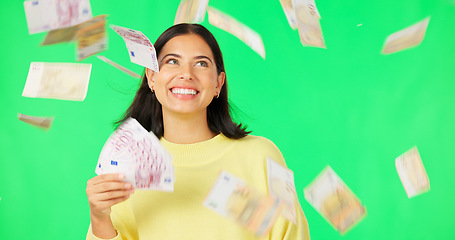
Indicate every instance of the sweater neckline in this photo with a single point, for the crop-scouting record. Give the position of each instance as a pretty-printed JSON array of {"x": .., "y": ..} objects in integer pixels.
[{"x": 194, "y": 154}]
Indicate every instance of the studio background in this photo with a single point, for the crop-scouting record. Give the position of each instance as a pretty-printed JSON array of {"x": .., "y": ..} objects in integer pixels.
[{"x": 346, "y": 106}]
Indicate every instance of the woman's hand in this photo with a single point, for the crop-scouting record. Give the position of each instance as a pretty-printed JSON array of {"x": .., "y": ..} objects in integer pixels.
[{"x": 104, "y": 191}]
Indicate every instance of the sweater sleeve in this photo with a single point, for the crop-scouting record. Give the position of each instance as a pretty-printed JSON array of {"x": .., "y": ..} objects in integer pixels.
[
  {"x": 283, "y": 229},
  {"x": 91, "y": 236},
  {"x": 123, "y": 221}
]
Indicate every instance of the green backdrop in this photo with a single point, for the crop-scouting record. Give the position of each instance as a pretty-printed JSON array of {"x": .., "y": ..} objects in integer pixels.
[{"x": 346, "y": 106}]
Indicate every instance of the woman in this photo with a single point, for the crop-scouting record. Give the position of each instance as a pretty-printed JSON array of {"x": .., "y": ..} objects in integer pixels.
[{"x": 186, "y": 106}]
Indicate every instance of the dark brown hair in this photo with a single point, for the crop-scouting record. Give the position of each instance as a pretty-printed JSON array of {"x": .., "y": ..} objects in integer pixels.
[{"x": 146, "y": 108}]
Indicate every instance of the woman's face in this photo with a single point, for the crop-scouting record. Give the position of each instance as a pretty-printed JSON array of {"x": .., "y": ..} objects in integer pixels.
[{"x": 188, "y": 79}]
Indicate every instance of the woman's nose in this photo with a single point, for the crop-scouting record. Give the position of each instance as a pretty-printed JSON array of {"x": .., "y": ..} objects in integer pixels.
[{"x": 186, "y": 72}]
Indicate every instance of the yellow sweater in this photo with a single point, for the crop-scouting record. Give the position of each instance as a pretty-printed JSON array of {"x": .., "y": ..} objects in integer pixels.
[{"x": 155, "y": 215}]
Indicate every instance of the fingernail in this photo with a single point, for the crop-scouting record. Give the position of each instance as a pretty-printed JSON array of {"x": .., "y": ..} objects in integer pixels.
[
  {"x": 121, "y": 176},
  {"x": 127, "y": 185}
]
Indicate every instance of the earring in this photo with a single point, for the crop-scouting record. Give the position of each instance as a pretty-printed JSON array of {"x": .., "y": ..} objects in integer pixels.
[
  {"x": 217, "y": 96},
  {"x": 152, "y": 89}
]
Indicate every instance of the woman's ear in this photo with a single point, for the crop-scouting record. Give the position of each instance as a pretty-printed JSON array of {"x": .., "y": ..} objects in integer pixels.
[
  {"x": 149, "y": 74},
  {"x": 220, "y": 81}
]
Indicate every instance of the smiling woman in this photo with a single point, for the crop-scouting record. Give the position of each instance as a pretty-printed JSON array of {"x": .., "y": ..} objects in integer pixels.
[
  {"x": 185, "y": 86},
  {"x": 186, "y": 106}
]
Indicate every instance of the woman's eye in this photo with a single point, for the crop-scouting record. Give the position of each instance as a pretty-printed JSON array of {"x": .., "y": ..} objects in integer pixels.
[
  {"x": 202, "y": 64},
  {"x": 172, "y": 61}
]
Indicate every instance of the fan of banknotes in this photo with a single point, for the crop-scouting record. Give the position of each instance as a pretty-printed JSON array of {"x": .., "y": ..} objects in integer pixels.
[{"x": 139, "y": 156}]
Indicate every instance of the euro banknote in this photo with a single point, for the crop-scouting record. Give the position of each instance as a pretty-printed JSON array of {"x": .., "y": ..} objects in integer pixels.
[
  {"x": 308, "y": 23},
  {"x": 140, "y": 49},
  {"x": 46, "y": 15},
  {"x": 41, "y": 122},
  {"x": 238, "y": 29},
  {"x": 191, "y": 11},
  {"x": 412, "y": 173},
  {"x": 332, "y": 198},
  {"x": 91, "y": 37},
  {"x": 281, "y": 186},
  {"x": 119, "y": 67},
  {"x": 65, "y": 81},
  {"x": 232, "y": 198},
  {"x": 409, "y": 37}
]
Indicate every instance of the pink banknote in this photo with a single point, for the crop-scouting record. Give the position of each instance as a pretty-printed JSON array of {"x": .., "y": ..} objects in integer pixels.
[
  {"x": 139, "y": 155},
  {"x": 140, "y": 49},
  {"x": 46, "y": 15}
]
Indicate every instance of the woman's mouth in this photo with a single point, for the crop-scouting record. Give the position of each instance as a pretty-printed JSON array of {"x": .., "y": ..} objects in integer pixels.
[{"x": 184, "y": 91}]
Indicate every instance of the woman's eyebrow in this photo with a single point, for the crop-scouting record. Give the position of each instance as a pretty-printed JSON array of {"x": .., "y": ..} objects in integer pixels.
[
  {"x": 170, "y": 54},
  {"x": 202, "y": 56}
]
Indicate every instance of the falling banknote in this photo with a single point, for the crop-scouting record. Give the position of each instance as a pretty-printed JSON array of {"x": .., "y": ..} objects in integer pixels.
[
  {"x": 289, "y": 12},
  {"x": 119, "y": 67},
  {"x": 238, "y": 29},
  {"x": 41, "y": 122},
  {"x": 61, "y": 35},
  {"x": 308, "y": 23},
  {"x": 281, "y": 186},
  {"x": 412, "y": 173},
  {"x": 46, "y": 15},
  {"x": 232, "y": 198},
  {"x": 138, "y": 154},
  {"x": 140, "y": 49},
  {"x": 330, "y": 196},
  {"x": 91, "y": 37},
  {"x": 65, "y": 81},
  {"x": 407, "y": 38},
  {"x": 191, "y": 11}
]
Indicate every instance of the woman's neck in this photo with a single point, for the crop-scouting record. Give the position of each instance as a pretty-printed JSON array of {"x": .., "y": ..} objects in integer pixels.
[{"x": 186, "y": 129}]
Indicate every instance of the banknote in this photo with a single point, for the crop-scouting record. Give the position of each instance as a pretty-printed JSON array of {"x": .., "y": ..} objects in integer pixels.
[
  {"x": 140, "y": 49},
  {"x": 41, "y": 122},
  {"x": 65, "y": 81},
  {"x": 409, "y": 37},
  {"x": 61, "y": 35},
  {"x": 308, "y": 24},
  {"x": 238, "y": 29},
  {"x": 281, "y": 186},
  {"x": 139, "y": 155},
  {"x": 46, "y": 15},
  {"x": 118, "y": 66},
  {"x": 412, "y": 173},
  {"x": 91, "y": 37},
  {"x": 330, "y": 196},
  {"x": 313, "y": 9},
  {"x": 289, "y": 12},
  {"x": 232, "y": 198},
  {"x": 191, "y": 11}
]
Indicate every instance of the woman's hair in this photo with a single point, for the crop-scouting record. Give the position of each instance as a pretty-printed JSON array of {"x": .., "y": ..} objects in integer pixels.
[{"x": 146, "y": 108}]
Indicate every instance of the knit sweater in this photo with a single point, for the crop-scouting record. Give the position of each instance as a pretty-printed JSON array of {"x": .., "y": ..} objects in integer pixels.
[{"x": 151, "y": 215}]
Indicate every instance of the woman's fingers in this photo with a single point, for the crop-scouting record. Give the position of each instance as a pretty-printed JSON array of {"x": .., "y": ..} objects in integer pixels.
[
  {"x": 110, "y": 177},
  {"x": 106, "y": 190},
  {"x": 104, "y": 201},
  {"x": 113, "y": 194}
]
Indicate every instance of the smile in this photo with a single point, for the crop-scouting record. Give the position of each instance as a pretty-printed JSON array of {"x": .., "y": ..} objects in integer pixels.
[{"x": 183, "y": 91}]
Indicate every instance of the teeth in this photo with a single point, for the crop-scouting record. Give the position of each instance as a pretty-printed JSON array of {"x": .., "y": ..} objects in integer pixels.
[{"x": 184, "y": 91}]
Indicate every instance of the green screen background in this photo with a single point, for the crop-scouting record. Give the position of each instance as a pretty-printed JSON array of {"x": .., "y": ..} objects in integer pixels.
[{"x": 346, "y": 106}]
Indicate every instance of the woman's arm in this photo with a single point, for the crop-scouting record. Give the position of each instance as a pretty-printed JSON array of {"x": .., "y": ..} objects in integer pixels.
[{"x": 103, "y": 192}]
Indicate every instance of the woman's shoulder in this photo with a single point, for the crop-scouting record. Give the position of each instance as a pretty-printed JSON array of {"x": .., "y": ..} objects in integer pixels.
[
  {"x": 259, "y": 143},
  {"x": 257, "y": 140}
]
